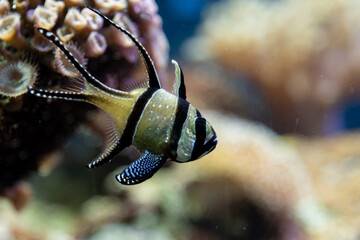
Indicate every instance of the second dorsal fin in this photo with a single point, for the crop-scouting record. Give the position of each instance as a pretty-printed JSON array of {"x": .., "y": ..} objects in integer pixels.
[
  {"x": 179, "y": 84},
  {"x": 153, "y": 78},
  {"x": 84, "y": 74}
]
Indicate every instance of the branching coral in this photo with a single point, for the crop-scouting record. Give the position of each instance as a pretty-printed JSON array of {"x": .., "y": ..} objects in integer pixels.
[
  {"x": 25, "y": 118},
  {"x": 304, "y": 55}
]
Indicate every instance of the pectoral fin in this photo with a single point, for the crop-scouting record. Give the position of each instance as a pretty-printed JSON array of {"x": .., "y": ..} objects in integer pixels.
[{"x": 141, "y": 170}]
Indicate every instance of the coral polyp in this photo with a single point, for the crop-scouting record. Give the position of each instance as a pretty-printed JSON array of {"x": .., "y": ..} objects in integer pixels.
[
  {"x": 16, "y": 77},
  {"x": 10, "y": 30}
]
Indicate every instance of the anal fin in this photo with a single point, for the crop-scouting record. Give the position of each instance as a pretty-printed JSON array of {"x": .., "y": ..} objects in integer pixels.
[
  {"x": 142, "y": 169},
  {"x": 112, "y": 144}
]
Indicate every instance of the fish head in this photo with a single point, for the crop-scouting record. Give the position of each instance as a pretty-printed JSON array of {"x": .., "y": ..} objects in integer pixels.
[
  {"x": 205, "y": 138},
  {"x": 199, "y": 138}
]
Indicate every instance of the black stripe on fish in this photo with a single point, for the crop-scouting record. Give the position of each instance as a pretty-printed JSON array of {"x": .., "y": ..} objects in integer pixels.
[
  {"x": 154, "y": 81},
  {"x": 126, "y": 138},
  {"x": 200, "y": 130},
  {"x": 135, "y": 117},
  {"x": 84, "y": 73},
  {"x": 180, "y": 118}
]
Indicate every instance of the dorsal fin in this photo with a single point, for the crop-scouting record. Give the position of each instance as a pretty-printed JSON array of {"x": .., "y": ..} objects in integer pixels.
[
  {"x": 154, "y": 81},
  {"x": 84, "y": 73},
  {"x": 179, "y": 84}
]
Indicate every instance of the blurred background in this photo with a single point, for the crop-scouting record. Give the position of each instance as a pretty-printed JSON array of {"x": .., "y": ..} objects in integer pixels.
[{"x": 279, "y": 82}]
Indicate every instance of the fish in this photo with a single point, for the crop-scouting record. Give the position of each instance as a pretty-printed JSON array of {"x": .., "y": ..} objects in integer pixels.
[{"x": 159, "y": 124}]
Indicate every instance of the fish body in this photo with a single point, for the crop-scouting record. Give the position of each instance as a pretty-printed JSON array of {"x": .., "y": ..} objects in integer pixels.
[{"x": 160, "y": 124}]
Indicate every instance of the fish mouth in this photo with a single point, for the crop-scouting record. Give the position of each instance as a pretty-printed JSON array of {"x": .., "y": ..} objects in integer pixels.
[
  {"x": 211, "y": 144},
  {"x": 206, "y": 148}
]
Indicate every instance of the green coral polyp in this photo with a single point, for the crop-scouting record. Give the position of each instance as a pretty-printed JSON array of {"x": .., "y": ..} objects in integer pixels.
[{"x": 16, "y": 77}]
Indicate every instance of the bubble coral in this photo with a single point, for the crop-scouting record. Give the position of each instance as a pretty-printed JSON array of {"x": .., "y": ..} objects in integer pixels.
[
  {"x": 304, "y": 55},
  {"x": 25, "y": 118}
]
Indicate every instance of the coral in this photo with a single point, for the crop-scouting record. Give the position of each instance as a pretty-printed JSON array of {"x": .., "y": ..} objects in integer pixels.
[
  {"x": 303, "y": 55},
  {"x": 44, "y": 17},
  {"x": 41, "y": 44},
  {"x": 62, "y": 64},
  {"x": 21, "y": 5},
  {"x": 65, "y": 33},
  {"x": 10, "y": 30},
  {"x": 305, "y": 186},
  {"x": 95, "y": 45},
  {"x": 72, "y": 3},
  {"x": 75, "y": 20},
  {"x": 94, "y": 21},
  {"x": 16, "y": 77},
  {"x": 115, "y": 37},
  {"x": 31, "y": 128},
  {"x": 56, "y": 6},
  {"x": 4, "y": 7},
  {"x": 333, "y": 164},
  {"x": 108, "y": 6}
]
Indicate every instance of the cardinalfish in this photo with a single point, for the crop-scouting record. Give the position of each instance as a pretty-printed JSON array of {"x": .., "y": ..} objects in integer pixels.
[{"x": 161, "y": 125}]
